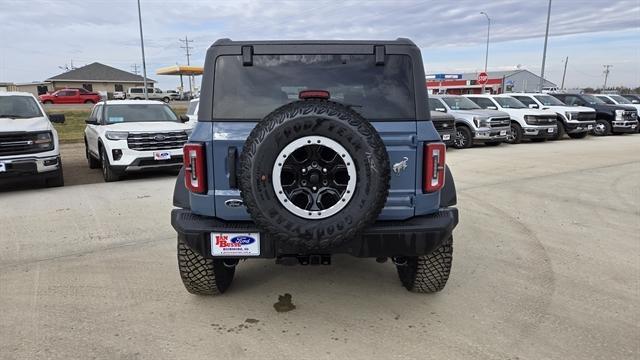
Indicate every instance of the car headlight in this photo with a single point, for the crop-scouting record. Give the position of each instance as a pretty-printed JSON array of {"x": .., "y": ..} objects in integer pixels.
[
  {"x": 44, "y": 141},
  {"x": 619, "y": 114},
  {"x": 571, "y": 115},
  {"x": 116, "y": 135},
  {"x": 481, "y": 121},
  {"x": 531, "y": 120}
]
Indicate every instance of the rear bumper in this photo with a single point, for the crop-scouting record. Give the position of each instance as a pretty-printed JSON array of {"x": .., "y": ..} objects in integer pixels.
[{"x": 417, "y": 236}]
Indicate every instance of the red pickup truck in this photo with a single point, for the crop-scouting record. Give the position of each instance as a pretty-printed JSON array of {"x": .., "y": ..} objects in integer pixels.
[{"x": 70, "y": 96}]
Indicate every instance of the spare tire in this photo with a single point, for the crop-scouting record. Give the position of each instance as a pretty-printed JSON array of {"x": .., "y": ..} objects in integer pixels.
[{"x": 313, "y": 174}]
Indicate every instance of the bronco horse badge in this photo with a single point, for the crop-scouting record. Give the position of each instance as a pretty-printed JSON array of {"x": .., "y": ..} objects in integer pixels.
[{"x": 400, "y": 166}]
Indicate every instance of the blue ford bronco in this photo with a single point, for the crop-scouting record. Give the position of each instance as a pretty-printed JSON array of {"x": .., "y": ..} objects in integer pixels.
[{"x": 305, "y": 149}]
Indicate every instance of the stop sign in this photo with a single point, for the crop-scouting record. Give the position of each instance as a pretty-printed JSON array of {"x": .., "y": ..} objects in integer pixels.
[{"x": 482, "y": 78}]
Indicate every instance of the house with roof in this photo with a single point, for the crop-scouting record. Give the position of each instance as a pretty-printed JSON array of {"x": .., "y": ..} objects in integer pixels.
[
  {"x": 95, "y": 77},
  {"x": 519, "y": 80}
]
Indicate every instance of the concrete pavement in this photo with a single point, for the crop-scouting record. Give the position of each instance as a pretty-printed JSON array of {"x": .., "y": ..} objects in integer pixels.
[{"x": 546, "y": 266}]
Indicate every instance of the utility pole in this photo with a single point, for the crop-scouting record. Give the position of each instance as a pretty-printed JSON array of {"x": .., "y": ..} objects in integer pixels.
[
  {"x": 187, "y": 49},
  {"x": 544, "y": 53},
  {"x": 606, "y": 75},
  {"x": 134, "y": 68},
  {"x": 144, "y": 64},
  {"x": 486, "y": 54},
  {"x": 564, "y": 73}
]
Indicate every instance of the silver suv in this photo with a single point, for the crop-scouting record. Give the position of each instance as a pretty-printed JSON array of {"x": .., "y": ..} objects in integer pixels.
[{"x": 473, "y": 124}]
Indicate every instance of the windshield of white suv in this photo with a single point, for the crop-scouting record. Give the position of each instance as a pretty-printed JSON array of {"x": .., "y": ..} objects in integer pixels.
[
  {"x": 593, "y": 100},
  {"x": 509, "y": 102},
  {"x": 547, "y": 100},
  {"x": 620, "y": 100},
  {"x": 252, "y": 92},
  {"x": 460, "y": 103},
  {"x": 19, "y": 107},
  {"x": 138, "y": 113}
]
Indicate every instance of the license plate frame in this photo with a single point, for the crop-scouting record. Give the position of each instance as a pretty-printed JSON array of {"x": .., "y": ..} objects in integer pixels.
[
  {"x": 503, "y": 132},
  {"x": 161, "y": 155},
  {"x": 550, "y": 130},
  {"x": 235, "y": 244},
  {"x": 446, "y": 137},
  {"x": 589, "y": 127}
]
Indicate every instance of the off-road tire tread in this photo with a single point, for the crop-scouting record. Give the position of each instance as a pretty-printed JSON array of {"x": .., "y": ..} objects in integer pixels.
[
  {"x": 428, "y": 273},
  {"x": 202, "y": 276}
]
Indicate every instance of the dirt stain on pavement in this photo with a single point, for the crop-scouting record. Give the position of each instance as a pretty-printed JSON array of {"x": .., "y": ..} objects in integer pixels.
[{"x": 284, "y": 303}]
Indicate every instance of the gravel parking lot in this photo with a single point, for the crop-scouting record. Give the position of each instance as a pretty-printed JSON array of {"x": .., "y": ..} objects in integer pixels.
[{"x": 546, "y": 266}]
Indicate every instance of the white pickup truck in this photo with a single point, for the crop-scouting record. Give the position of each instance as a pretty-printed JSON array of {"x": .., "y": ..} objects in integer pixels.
[{"x": 28, "y": 141}]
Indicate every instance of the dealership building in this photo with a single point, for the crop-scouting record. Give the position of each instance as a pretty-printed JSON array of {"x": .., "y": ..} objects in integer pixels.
[
  {"x": 95, "y": 77},
  {"x": 498, "y": 82}
]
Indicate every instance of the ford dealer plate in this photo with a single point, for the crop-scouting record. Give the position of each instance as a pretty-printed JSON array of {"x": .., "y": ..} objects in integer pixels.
[
  {"x": 590, "y": 127},
  {"x": 503, "y": 132},
  {"x": 3, "y": 167},
  {"x": 446, "y": 137},
  {"x": 550, "y": 130},
  {"x": 235, "y": 244},
  {"x": 161, "y": 155}
]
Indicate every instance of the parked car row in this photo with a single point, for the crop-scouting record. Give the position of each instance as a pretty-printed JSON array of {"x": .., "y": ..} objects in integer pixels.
[
  {"x": 83, "y": 96},
  {"x": 511, "y": 118}
]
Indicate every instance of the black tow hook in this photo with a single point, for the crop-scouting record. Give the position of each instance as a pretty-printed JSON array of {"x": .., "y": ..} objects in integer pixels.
[
  {"x": 400, "y": 261},
  {"x": 230, "y": 263}
]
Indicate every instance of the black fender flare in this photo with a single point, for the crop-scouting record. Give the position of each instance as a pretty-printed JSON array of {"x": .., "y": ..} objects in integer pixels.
[
  {"x": 448, "y": 195},
  {"x": 180, "y": 192}
]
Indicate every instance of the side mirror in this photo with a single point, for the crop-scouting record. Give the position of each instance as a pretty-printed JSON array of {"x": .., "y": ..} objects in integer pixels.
[
  {"x": 91, "y": 121},
  {"x": 441, "y": 109},
  {"x": 57, "y": 118},
  {"x": 533, "y": 106},
  {"x": 184, "y": 118},
  {"x": 492, "y": 108}
]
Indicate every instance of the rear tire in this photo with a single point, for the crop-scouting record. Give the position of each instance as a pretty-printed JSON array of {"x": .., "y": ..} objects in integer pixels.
[
  {"x": 107, "y": 171},
  {"x": 91, "y": 161},
  {"x": 463, "y": 139},
  {"x": 202, "y": 276},
  {"x": 581, "y": 135},
  {"x": 165, "y": 100},
  {"x": 515, "y": 135},
  {"x": 428, "y": 273},
  {"x": 602, "y": 128}
]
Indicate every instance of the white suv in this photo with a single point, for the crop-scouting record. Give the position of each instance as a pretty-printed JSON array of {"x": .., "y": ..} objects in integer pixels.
[
  {"x": 137, "y": 93},
  {"x": 28, "y": 141},
  {"x": 124, "y": 136},
  {"x": 526, "y": 123}
]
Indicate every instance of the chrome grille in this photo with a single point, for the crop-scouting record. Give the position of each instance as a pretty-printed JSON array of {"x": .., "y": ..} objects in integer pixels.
[{"x": 156, "y": 141}]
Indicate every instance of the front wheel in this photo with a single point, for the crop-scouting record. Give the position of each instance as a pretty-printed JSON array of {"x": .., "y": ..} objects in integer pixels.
[
  {"x": 202, "y": 276},
  {"x": 602, "y": 128},
  {"x": 463, "y": 138},
  {"x": 47, "y": 102},
  {"x": 165, "y": 99},
  {"x": 581, "y": 135},
  {"x": 427, "y": 273},
  {"x": 91, "y": 161},
  {"x": 107, "y": 171},
  {"x": 515, "y": 135},
  {"x": 561, "y": 132}
]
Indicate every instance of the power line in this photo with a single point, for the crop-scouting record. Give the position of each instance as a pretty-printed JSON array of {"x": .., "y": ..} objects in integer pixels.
[
  {"x": 134, "y": 69},
  {"x": 187, "y": 49},
  {"x": 606, "y": 75}
]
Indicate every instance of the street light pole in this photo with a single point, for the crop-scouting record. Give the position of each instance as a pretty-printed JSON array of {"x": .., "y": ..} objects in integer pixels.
[
  {"x": 564, "y": 73},
  {"x": 144, "y": 64},
  {"x": 486, "y": 55},
  {"x": 544, "y": 53}
]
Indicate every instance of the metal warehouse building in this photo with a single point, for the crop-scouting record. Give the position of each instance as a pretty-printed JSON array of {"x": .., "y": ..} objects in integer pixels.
[{"x": 498, "y": 82}]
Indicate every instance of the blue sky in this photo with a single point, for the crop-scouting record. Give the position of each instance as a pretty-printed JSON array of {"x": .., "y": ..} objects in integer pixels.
[{"x": 36, "y": 40}]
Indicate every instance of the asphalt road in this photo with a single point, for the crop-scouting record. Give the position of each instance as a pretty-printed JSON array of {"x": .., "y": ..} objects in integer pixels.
[{"x": 546, "y": 266}]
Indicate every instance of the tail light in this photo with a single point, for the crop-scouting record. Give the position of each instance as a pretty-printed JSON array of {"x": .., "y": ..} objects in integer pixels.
[
  {"x": 433, "y": 169},
  {"x": 194, "y": 168}
]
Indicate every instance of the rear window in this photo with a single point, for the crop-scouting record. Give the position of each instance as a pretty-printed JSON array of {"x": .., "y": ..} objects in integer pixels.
[{"x": 252, "y": 92}]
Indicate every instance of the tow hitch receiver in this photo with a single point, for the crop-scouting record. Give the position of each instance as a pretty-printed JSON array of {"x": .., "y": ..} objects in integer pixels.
[{"x": 304, "y": 260}]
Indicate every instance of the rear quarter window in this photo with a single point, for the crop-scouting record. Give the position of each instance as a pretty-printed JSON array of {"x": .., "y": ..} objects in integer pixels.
[{"x": 252, "y": 92}]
